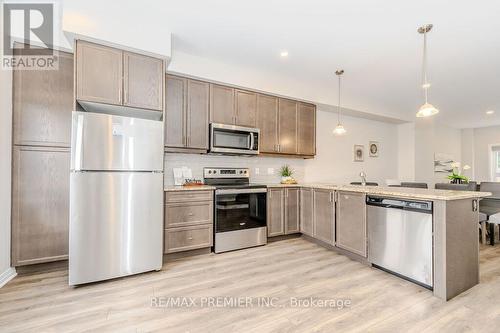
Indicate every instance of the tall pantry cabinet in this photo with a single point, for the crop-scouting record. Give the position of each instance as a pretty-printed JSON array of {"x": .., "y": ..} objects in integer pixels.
[{"x": 42, "y": 105}]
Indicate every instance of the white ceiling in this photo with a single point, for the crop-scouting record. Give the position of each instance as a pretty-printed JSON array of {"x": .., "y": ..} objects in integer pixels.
[{"x": 374, "y": 41}]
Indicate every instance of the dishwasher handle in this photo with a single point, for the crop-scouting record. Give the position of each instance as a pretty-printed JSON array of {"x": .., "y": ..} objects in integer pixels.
[{"x": 415, "y": 206}]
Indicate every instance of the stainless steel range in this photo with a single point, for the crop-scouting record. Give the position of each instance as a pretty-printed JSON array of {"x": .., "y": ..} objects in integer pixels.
[{"x": 240, "y": 209}]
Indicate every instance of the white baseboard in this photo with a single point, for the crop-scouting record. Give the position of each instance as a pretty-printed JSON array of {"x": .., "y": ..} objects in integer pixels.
[{"x": 7, "y": 275}]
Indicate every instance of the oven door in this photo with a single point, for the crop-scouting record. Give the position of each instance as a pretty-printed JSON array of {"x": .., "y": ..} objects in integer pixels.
[
  {"x": 240, "y": 209},
  {"x": 233, "y": 139}
]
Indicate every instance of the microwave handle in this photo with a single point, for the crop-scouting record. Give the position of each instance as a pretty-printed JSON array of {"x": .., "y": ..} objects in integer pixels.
[{"x": 252, "y": 140}]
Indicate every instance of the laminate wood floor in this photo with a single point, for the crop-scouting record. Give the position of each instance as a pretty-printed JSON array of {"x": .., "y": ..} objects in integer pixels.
[{"x": 43, "y": 302}]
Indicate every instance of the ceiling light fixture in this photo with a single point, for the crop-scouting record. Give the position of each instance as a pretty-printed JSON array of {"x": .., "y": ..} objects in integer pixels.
[
  {"x": 427, "y": 109},
  {"x": 284, "y": 54},
  {"x": 489, "y": 112},
  {"x": 339, "y": 129}
]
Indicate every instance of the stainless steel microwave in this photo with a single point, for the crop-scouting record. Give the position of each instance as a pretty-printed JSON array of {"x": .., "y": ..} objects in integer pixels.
[{"x": 230, "y": 139}]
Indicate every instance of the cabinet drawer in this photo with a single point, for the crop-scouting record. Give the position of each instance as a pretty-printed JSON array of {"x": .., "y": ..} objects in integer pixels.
[
  {"x": 183, "y": 196},
  {"x": 188, "y": 238},
  {"x": 182, "y": 214}
]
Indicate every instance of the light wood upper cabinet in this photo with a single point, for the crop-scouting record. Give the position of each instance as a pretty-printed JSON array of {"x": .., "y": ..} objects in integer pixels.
[
  {"x": 197, "y": 114},
  {"x": 222, "y": 104},
  {"x": 143, "y": 81},
  {"x": 112, "y": 76},
  {"x": 40, "y": 204},
  {"x": 175, "y": 113},
  {"x": 187, "y": 113},
  {"x": 267, "y": 122},
  {"x": 99, "y": 72},
  {"x": 324, "y": 216},
  {"x": 275, "y": 212},
  {"x": 306, "y": 129},
  {"x": 42, "y": 105},
  {"x": 292, "y": 210},
  {"x": 351, "y": 222},
  {"x": 287, "y": 126},
  {"x": 307, "y": 211},
  {"x": 246, "y": 108}
]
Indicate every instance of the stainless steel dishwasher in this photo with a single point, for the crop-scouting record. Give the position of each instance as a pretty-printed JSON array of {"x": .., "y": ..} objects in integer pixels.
[{"x": 400, "y": 238}]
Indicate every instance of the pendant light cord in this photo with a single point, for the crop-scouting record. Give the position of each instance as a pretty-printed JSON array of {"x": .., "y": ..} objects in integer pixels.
[
  {"x": 340, "y": 109},
  {"x": 424, "y": 67}
]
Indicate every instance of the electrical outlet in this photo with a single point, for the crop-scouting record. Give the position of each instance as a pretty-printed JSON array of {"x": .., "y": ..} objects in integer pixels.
[
  {"x": 257, "y": 171},
  {"x": 270, "y": 171}
]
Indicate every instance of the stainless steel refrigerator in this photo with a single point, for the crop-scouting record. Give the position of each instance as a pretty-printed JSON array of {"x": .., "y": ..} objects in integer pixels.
[{"x": 116, "y": 197}]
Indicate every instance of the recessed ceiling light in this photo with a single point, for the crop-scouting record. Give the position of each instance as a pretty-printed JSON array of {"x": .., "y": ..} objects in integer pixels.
[
  {"x": 490, "y": 112},
  {"x": 284, "y": 54}
]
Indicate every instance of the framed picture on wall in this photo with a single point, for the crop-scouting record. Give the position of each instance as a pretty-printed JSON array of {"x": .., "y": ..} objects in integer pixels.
[
  {"x": 373, "y": 148},
  {"x": 359, "y": 153}
]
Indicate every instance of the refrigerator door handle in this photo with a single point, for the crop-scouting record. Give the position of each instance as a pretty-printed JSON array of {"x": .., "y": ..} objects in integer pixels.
[{"x": 79, "y": 143}]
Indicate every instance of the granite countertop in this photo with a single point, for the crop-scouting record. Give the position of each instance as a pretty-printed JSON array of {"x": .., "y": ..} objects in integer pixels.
[
  {"x": 398, "y": 192},
  {"x": 174, "y": 188}
]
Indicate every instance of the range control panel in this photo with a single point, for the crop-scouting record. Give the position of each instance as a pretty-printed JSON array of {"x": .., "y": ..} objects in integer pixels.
[{"x": 226, "y": 173}]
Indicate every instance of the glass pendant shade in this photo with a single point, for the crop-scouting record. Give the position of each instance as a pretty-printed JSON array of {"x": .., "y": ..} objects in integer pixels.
[
  {"x": 427, "y": 110},
  {"x": 339, "y": 129}
]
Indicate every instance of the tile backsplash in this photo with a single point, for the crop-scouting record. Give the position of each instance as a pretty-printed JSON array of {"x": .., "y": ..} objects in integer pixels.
[{"x": 262, "y": 169}]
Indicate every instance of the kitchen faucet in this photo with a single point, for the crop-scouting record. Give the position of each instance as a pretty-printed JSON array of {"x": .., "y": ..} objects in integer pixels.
[{"x": 362, "y": 174}]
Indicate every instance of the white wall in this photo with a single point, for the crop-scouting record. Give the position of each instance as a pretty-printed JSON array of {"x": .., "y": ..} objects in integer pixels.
[
  {"x": 432, "y": 137},
  {"x": 406, "y": 152},
  {"x": 476, "y": 144},
  {"x": 334, "y": 161},
  {"x": 5, "y": 172}
]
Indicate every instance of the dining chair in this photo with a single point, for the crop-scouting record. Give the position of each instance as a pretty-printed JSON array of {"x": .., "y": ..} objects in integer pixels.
[
  {"x": 414, "y": 185},
  {"x": 490, "y": 206},
  {"x": 471, "y": 186}
]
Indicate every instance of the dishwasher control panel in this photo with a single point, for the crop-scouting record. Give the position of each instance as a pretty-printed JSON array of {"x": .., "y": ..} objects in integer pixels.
[{"x": 423, "y": 206}]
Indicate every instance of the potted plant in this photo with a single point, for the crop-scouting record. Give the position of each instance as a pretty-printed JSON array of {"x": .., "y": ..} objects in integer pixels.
[
  {"x": 286, "y": 175},
  {"x": 456, "y": 176}
]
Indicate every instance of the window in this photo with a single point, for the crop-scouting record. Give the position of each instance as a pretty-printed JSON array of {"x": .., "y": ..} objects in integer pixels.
[{"x": 495, "y": 163}]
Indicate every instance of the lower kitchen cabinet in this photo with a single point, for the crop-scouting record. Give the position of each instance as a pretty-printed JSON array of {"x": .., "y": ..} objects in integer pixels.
[
  {"x": 351, "y": 222},
  {"x": 324, "y": 216},
  {"x": 306, "y": 211},
  {"x": 188, "y": 238},
  {"x": 292, "y": 211},
  {"x": 283, "y": 211},
  {"x": 188, "y": 220},
  {"x": 40, "y": 204},
  {"x": 275, "y": 212}
]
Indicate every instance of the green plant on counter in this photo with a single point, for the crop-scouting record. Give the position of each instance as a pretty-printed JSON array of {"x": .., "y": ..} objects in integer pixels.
[
  {"x": 456, "y": 176},
  {"x": 286, "y": 171}
]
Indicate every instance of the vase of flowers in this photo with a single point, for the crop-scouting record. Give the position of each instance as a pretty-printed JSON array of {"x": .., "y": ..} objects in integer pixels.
[
  {"x": 457, "y": 176},
  {"x": 286, "y": 175}
]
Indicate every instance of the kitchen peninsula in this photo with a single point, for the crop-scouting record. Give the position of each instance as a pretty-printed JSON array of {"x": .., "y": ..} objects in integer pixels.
[
  {"x": 336, "y": 216},
  {"x": 344, "y": 226}
]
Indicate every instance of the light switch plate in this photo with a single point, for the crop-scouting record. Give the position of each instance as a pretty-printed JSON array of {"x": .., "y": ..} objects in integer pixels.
[
  {"x": 257, "y": 171},
  {"x": 270, "y": 171}
]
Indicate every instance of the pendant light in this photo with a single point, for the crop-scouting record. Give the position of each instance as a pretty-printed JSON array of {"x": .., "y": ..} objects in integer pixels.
[
  {"x": 339, "y": 129},
  {"x": 427, "y": 109}
]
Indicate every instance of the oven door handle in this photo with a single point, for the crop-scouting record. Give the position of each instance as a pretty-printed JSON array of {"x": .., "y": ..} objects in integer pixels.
[{"x": 241, "y": 191}]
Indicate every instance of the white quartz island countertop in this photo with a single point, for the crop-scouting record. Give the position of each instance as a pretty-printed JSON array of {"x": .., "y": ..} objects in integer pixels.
[{"x": 398, "y": 192}]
